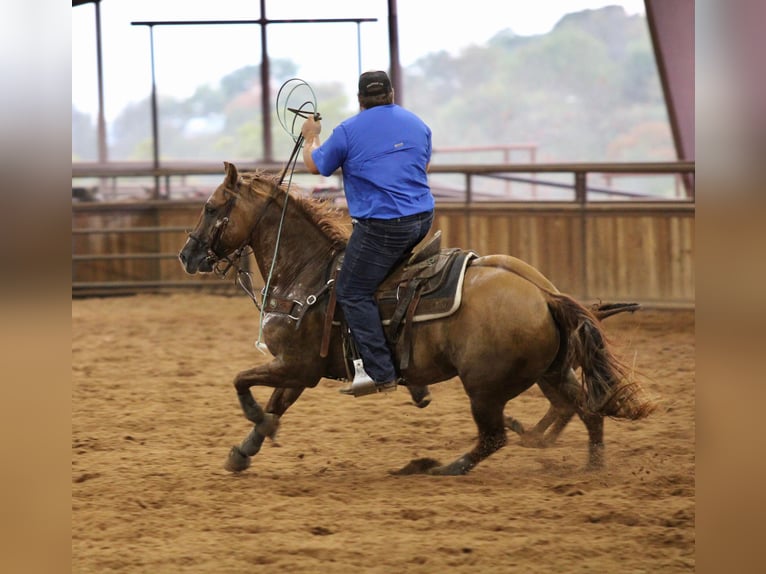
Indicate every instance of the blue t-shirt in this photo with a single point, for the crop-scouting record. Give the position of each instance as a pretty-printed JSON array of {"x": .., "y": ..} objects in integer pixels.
[{"x": 383, "y": 152}]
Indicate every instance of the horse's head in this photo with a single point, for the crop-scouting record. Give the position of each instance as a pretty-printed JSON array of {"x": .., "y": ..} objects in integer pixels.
[{"x": 224, "y": 226}]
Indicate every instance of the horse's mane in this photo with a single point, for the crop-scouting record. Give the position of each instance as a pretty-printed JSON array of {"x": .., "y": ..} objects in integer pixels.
[{"x": 327, "y": 218}]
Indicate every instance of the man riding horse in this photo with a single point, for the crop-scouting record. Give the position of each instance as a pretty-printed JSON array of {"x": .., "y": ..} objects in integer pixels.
[{"x": 384, "y": 152}]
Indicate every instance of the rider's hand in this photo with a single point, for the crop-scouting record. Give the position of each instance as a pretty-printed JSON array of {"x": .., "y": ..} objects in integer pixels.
[
  {"x": 310, "y": 132},
  {"x": 311, "y": 128}
]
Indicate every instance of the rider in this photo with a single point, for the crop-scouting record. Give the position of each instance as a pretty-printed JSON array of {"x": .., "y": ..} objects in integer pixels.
[{"x": 384, "y": 152}]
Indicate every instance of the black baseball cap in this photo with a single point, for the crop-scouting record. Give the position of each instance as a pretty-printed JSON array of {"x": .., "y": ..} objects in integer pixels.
[{"x": 374, "y": 83}]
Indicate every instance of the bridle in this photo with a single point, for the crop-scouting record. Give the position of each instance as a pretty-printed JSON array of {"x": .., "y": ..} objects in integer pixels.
[
  {"x": 222, "y": 264},
  {"x": 218, "y": 228}
]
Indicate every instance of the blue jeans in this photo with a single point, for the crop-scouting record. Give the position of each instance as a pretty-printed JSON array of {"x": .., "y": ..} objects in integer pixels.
[{"x": 375, "y": 247}]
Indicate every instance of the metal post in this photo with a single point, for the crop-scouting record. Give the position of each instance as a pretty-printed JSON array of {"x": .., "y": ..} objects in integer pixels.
[
  {"x": 155, "y": 127},
  {"x": 358, "y": 48},
  {"x": 393, "y": 43},
  {"x": 581, "y": 197},
  {"x": 468, "y": 203},
  {"x": 581, "y": 189},
  {"x": 507, "y": 159},
  {"x": 268, "y": 154},
  {"x": 102, "y": 149}
]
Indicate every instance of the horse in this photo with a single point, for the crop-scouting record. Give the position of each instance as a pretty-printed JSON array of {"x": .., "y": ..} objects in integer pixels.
[{"x": 508, "y": 333}]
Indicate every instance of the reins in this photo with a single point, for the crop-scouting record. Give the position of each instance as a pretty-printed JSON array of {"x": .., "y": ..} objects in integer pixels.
[{"x": 265, "y": 293}]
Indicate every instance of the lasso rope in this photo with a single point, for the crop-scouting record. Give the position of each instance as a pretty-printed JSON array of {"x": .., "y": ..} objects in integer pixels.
[{"x": 294, "y": 90}]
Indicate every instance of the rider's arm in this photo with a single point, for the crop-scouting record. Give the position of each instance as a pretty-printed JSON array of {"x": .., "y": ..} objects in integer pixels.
[{"x": 310, "y": 131}]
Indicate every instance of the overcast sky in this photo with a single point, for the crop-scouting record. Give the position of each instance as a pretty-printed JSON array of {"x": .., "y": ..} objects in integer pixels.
[{"x": 189, "y": 56}]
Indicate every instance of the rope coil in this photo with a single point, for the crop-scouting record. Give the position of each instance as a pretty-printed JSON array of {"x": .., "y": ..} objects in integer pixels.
[{"x": 295, "y": 99}]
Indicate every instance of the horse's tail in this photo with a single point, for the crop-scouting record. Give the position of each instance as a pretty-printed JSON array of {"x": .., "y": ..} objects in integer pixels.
[{"x": 607, "y": 387}]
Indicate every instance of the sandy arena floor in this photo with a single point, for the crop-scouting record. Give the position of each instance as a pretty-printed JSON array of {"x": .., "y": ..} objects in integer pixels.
[{"x": 154, "y": 414}]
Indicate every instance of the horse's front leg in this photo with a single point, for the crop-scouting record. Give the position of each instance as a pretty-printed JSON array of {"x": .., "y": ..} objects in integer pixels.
[
  {"x": 239, "y": 456},
  {"x": 276, "y": 374},
  {"x": 289, "y": 383}
]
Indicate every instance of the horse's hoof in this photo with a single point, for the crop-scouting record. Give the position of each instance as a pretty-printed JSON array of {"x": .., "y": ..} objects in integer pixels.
[
  {"x": 596, "y": 457},
  {"x": 424, "y": 402},
  {"x": 237, "y": 461},
  {"x": 421, "y": 396},
  {"x": 514, "y": 425},
  {"x": 417, "y": 466},
  {"x": 448, "y": 470},
  {"x": 268, "y": 426},
  {"x": 457, "y": 467},
  {"x": 595, "y": 464}
]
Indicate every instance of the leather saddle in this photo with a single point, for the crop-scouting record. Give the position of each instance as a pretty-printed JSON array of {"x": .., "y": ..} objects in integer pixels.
[{"x": 426, "y": 286}]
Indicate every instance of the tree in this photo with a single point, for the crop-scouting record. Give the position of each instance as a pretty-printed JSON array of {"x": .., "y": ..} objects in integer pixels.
[{"x": 571, "y": 91}]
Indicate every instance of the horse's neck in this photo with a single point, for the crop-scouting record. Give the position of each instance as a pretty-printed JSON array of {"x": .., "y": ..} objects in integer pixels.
[{"x": 302, "y": 254}]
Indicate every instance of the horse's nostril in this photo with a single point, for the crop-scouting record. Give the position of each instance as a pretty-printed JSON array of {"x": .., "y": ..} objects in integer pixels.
[{"x": 182, "y": 257}]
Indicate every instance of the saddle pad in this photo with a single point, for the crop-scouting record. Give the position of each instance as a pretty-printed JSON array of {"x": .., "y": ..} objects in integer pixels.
[{"x": 440, "y": 302}]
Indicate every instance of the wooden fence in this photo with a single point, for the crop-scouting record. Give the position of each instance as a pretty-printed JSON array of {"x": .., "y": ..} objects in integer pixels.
[{"x": 610, "y": 251}]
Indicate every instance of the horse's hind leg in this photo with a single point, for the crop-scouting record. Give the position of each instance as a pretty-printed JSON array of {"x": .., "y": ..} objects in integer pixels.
[
  {"x": 560, "y": 412},
  {"x": 595, "y": 426},
  {"x": 572, "y": 390},
  {"x": 488, "y": 416},
  {"x": 564, "y": 395},
  {"x": 239, "y": 456},
  {"x": 537, "y": 437}
]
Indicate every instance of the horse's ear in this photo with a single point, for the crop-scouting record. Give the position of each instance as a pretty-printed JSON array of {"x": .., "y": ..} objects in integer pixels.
[{"x": 232, "y": 176}]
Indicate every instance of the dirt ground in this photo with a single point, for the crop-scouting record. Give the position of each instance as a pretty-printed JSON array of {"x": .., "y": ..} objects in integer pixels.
[{"x": 154, "y": 414}]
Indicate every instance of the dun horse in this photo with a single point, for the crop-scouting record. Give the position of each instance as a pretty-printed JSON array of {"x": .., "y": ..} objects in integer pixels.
[{"x": 511, "y": 330}]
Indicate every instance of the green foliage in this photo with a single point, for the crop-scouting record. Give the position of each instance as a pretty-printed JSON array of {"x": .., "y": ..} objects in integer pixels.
[
  {"x": 573, "y": 92},
  {"x": 239, "y": 81}
]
